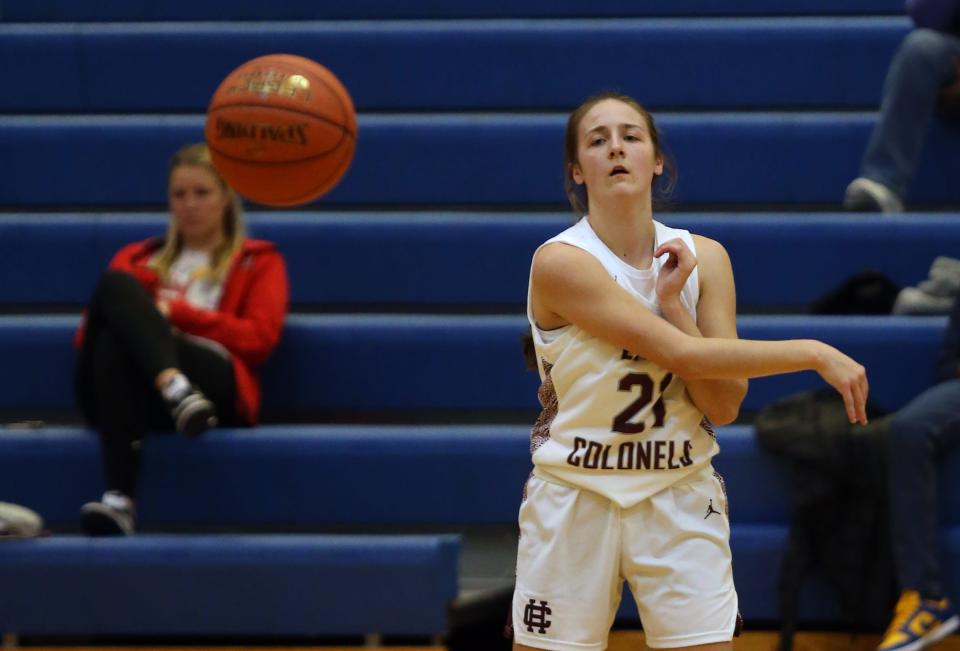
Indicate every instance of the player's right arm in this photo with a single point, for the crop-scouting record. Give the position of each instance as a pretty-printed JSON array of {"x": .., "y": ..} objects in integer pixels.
[{"x": 571, "y": 286}]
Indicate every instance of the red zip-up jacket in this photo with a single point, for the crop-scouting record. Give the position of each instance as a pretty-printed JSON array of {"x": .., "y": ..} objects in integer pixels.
[{"x": 248, "y": 320}]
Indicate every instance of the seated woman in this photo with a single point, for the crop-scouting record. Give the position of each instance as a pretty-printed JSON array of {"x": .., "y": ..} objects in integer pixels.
[{"x": 175, "y": 330}]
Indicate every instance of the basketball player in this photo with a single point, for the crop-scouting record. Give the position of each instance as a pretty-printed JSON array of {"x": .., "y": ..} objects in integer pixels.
[
  {"x": 175, "y": 331},
  {"x": 634, "y": 329}
]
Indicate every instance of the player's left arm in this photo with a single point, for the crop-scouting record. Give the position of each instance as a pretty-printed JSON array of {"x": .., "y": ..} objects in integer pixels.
[{"x": 719, "y": 400}]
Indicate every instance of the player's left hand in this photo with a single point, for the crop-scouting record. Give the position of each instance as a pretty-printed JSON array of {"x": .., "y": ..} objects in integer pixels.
[{"x": 675, "y": 271}]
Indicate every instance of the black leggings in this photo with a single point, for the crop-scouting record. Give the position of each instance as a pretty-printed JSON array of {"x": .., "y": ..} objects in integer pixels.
[{"x": 128, "y": 343}]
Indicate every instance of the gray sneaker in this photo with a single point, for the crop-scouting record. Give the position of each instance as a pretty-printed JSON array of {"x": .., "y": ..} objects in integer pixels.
[
  {"x": 111, "y": 516},
  {"x": 912, "y": 300},
  {"x": 192, "y": 413},
  {"x": 19, "y": 522},
  {"x": 944, "y": 279},
  {"x": 941, "y": 286},
  {"x": 943, "y": 264},
  {"x": 865, "y": 195},
  {"x": 945, "y": 267}
]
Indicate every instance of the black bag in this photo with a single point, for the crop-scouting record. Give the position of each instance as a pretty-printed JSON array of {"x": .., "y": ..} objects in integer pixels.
[
  {"x": 866, "y": 292},
  {"x": 839, "y": 519}
]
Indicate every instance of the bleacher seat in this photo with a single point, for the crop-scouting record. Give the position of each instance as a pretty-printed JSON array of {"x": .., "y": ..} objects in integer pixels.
[
  {"x": 476, "y": 261},
  {"x": 247, "y": 478},
  {"x": 475, "y": 477},
  {"x": 404, "y": 363},
  {"x": 484, "y": 466},
  {"x": 476, "y": 159},
  {"x": 402, "y": 65},
  {"x": 453, "y": 160},
  {"x": 224, "y": 10},
  {"x": 228, "y": 585}
]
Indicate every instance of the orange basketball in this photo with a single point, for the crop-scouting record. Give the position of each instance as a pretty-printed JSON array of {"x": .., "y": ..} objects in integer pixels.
[{"x": 281, "y": 129}]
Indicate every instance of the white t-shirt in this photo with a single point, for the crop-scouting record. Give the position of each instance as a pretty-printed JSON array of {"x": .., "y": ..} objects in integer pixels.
[{"x": 187, "y": 281}]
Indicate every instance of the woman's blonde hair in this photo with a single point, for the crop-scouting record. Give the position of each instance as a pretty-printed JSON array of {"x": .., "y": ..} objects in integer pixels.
[{"x": 234, "y": 228}]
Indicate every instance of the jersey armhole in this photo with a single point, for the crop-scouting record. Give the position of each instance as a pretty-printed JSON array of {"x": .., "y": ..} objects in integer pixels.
[{"x": 549, "y": 336}]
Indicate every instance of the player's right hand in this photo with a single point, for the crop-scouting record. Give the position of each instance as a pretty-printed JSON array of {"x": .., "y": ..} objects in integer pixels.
[{"x": 849, "y": 378}]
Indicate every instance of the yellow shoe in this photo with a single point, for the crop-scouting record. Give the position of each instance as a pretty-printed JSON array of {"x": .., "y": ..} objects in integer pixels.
[{"x": 918, "y": 623}]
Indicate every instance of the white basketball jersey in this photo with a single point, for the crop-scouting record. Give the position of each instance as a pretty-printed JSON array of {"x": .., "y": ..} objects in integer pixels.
[{"x": 612, "y": 422}]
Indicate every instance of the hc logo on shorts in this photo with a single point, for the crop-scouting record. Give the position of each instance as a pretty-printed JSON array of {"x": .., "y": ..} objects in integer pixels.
[{"x": 535, "y": 616}]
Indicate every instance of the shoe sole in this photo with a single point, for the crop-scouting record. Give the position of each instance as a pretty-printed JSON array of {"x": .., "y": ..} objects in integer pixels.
[
  {"x": 196, "y": 418},
  {"x": 945, "y": 629},
  {"x": 942, "y": 631},
  {"x": 912, "y": 300},
  {"x": 864, "y": 195},
  {"x": 861, "y": 203},
  {"x": 99, "y": 520}
]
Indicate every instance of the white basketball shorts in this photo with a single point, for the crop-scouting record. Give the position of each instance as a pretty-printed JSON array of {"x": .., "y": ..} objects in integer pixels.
[{"x": 577, "y": 548}]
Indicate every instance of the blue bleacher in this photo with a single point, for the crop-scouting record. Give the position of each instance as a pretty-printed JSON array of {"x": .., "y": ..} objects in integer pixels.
[
  {"x": 208, "y": 482},
  {"x": 228, "y": 585},
  {"x": 403, "y": 65},
  {"x": 226, "y": 10},
  {"x": 484, "y": 466},
  {"x": 350, "y": 473},
  {"x": 480, "y": 260},
  {"x": 408, "y": 282},
  {"x": 724, "y": 158},
  {"x": 456, "y": 363}
]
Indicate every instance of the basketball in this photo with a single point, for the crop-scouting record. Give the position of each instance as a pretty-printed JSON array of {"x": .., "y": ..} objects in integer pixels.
[{"x": 281, "y": 130}]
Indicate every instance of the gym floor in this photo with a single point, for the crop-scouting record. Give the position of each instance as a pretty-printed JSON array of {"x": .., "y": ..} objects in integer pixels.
[{"x": 619, "y": 641}]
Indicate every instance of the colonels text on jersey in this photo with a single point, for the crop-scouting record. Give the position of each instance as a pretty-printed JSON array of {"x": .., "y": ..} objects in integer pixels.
[{"x": 613, "y": 422}]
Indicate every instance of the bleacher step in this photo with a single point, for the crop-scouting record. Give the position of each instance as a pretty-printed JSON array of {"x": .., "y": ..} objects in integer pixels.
[
  {"x": 403, "y": 65},
  {"x": 354, "y": 364},
  {"x": 284, "y": 585},
  {"x": 500, "y": 159},
  {"x": 233, "y": 10},
  {"x": 473, "y": 260}
]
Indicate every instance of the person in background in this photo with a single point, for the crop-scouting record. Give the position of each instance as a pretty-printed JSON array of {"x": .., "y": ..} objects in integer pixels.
[
  {"x": 921, "y": 434},
  {"x": 922, "y": 78},
  {"x": 175, "y": 331}
]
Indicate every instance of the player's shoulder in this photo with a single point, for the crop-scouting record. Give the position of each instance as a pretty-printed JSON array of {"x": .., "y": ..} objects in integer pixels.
[
  {"x": 568, "y": 245},
  {"x": 559, "y": 257},
  {"x": 710, "y": 251},
  {"x": 707, "y": 243},
  {"x": 564, "y": 268}
]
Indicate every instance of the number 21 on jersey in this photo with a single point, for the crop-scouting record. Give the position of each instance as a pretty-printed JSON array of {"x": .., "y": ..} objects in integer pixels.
[{"x": 623, "y": 422}]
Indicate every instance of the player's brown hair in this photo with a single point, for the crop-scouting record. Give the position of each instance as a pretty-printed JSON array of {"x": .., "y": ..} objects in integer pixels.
[{"x": 577, "y": 194}]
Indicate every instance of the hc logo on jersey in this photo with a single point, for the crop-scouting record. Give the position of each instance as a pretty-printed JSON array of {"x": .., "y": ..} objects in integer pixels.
[{"x": 535, "y": 616}]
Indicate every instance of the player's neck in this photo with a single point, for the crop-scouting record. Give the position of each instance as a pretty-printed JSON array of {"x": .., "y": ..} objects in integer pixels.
[{"x": 626, "y": 230}]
